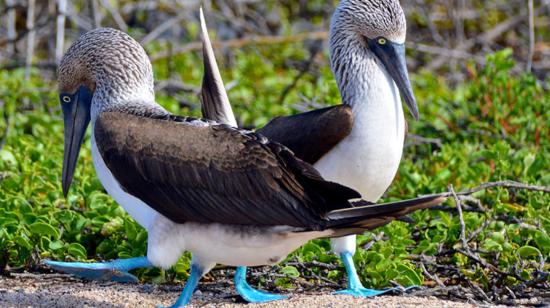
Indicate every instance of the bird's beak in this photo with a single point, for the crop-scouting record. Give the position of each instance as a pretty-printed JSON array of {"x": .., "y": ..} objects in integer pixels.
[
  {"x": 392, "y": 56},
  {"x": 76, "y": 117}
]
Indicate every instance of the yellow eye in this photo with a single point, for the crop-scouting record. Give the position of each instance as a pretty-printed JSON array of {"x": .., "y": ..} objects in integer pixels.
[
  {"x": 66, "y": 99},
  {"x": 382, "y": 41}
]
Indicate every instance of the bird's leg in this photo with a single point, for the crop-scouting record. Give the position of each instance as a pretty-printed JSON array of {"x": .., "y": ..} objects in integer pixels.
[
  {"x": 355, "y": 288},
  {"x": 250, "y": 294},
  {"x": 116, "y": 270},
  {"x": 197, "y": 271}
]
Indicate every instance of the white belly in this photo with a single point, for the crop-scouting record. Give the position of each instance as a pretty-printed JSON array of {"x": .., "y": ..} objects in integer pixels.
[{"x": 225, "y": 244}]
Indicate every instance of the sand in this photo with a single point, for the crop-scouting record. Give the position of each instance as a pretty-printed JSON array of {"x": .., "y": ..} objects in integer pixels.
[{"x": 47, "y": 290}]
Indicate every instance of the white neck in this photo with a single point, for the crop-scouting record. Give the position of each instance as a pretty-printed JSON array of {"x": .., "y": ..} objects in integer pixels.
[
  {"x": 367, "y": 160},
  {"x": 375, "y": 101}
]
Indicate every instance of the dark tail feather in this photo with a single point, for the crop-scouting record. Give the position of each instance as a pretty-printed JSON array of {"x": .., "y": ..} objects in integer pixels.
[
  {"x": 367, "y": 216},
  {"x": 215, "y": 103}
]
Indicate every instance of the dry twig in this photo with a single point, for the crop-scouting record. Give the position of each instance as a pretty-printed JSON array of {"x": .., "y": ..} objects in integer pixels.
[
  {"x": 30, "y": 38},
  {"x": 12, "y": 34},
  {"x": 432, "y": 277},
  {"x": 505, "y": 184},
  {"x": 531, "y": 35},
  {"x": 488, "y": 36},
  {"x": 461, "y": 218},
  {"x": 376, "y": 238},
  {"x": 60, "y": 34}
]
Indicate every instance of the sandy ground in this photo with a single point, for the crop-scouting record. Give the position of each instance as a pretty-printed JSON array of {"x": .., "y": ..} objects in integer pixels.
[{"x": 61, "y": 291}]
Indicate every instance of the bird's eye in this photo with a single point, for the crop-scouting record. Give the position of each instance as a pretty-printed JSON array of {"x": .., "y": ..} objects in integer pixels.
[
  {"x": 66, "y": 99},
  {"x": 382, "y": 41}
]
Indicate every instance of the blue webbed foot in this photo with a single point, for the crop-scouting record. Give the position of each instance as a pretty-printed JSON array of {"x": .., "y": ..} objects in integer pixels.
[
  {"x": 355, "y": 288},
  {"x": 116, "y": 270},
  {"x": 250, "y": 294}
]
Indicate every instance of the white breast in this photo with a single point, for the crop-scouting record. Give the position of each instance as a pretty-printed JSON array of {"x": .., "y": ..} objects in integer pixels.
[
  {"x": 367, "y": 160},
  {"x": 140, "y": 211}
]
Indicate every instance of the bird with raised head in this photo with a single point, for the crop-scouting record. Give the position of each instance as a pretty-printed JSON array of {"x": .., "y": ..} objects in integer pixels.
[
  {"x": 227, "y": 195},
  {"x": 359, "y": 143}
]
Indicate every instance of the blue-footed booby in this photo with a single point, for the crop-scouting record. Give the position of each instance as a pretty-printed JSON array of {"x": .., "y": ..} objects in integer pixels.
[
  {"x": 227, "y": 195},
  {"x": 358, "y": 144}
]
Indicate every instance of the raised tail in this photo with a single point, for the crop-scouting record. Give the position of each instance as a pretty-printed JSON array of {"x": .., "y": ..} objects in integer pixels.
[
  {"x": 215, "y": 103},
  {"x": 367, "y": 216}
]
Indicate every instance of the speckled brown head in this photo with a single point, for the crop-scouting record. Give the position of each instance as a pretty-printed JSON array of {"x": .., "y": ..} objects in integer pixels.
[
  {"x": 104, "y": 70},
  {"x": 108, "y": 61},
  {"x": 373, "y": 18},
  {"x": 368, "y": 32}
]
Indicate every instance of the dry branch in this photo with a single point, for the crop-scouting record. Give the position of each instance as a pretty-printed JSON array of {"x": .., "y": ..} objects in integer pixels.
[
  {"x": 376, "y": 238},
  {"x": 461, "y": 218},
  {"x": 11, "y": 28},
  {"x": 30, "y": 38},
  {"x": 94, "y": 13},
  {"x": 116, "y": 16},
  {"x": 60, "y": 33},
  {"x": 488, "y": 36},
  {"x": 413, "y": 140},
  {"x": 448, "y": 52},
  {"x": 531, "y": 35},
  {"x": 478, "y": 231},
  {"x": 431, "y": 276},
  {"x": 162, "y": 28},
  {"x": 505, "y": 184}
]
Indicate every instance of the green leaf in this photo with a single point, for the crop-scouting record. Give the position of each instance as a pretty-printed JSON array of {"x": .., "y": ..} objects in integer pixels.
[
  {"x": 290, "y": 271},
  {"x": 8, "y": 158},
  {"x": 283, "y": 282},
  {"x": 529, "y": 251},
  {"x": 408, "y": 277},
  {"x": 542, "y": 239},
  {"x": 42, "y": 228},
  {"x": 23, "y": 241},
  {"x": 130, "y": 230},
  {"x": 57, "y": 244},
  {"x": 77, "y": 250}
]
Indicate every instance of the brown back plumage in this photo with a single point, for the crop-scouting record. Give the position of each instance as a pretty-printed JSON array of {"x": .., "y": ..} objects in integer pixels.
[
  {"x": 195, "y": 171},
  {"x": 189, "y": 170}
]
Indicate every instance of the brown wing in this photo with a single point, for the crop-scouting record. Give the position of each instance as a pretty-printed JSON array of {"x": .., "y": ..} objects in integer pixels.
[
  {"x": 311, "y": 135},
  {"x": 190, "y": 170}
]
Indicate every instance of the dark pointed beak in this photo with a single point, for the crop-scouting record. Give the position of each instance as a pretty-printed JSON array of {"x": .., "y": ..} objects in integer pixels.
[
  {"x": 76, "y": 116},
  {"x": 392, "y": 56}
]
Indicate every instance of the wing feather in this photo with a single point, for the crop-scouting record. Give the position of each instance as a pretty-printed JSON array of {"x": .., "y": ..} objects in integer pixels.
[
  {"x": 214, "y": 173},
  {"x": 312, "y": 134}
]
